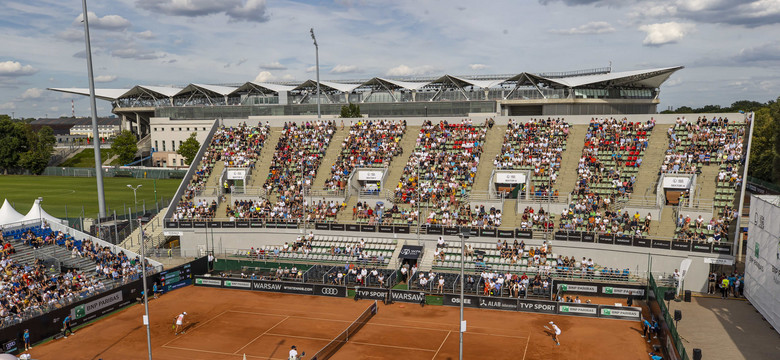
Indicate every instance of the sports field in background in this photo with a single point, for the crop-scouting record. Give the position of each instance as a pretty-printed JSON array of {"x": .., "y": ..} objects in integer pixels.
[
  {"x": 76, "y": 192},
  {"x": 86, "y": 159}
]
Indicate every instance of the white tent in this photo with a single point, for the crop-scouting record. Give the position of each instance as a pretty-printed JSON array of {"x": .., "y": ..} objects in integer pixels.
[
  {"x": 8, "y": 214},
  {"x": 37, "y": 212}
]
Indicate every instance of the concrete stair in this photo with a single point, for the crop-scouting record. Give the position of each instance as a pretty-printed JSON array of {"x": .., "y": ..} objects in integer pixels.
[
  {"x": 26, "y": 255},
  {"x": 706, "y": 183},
  {"x": 330, "y": 157},
  {"x": 395, "y": 262},
  {"x": 345, "y": 215},
  {"x": 222, "y": 206},
  {"x": 494, "y": 139},
  {"x": 396, "y": 169},
  {"x": 263, "y": 163},
  {"x": 152, "y": 230},
  {"x": 666, "y": 225},
  {"x": 213, "y": 180},
  {"x": 651, "y": 162},
  {"x": 426, "y": 263},
  {"x": 567, "y": 176}
]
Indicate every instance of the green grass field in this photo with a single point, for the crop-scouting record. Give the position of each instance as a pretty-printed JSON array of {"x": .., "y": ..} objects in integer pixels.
[
  {"x": 86, "y": 158},
  {"x": 57, "y": 191}
]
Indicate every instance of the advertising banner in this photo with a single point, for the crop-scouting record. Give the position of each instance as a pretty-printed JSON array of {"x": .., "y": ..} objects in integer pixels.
[
  {"x": 620, "y": 312},
  {"x": 239, "y": 284},
  {"x": 407, "y": 296},
  {"x": 330, "y": 290},
  {"x": 370, "y": 293},
  {"x": 537, "y": 306},
  {"x": 578, "y": 288},
  {"x": 284, "y": 287},
  {"x": 578, "y": 309},
  {"x": 471, "y": 301},
  {"x": 207, "y": 281},
  {"x": 762, "y": 263},
  {"x": 609, "y": 290}
]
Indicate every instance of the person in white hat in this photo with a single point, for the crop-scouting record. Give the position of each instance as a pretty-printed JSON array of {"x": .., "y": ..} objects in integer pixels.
[
  {"x": 556, "y": 332},
  {"x": 179, "y": 321},
  {"x": 293, "y": 353}
]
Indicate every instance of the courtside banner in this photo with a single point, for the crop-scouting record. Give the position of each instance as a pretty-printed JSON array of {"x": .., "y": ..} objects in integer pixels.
[
  {"x": 207, "y": 281},
  {"x": 407, "y": 296},
  {"x": 620, "y": 312},
  {"x": 471, "y": 301},
  {"x": 578, "y": 309},
  {"x": 330, "y": 290},
  {"x": 578, "y": 288},
  {"x": 237, "y": 284},
  {"x": 283, "y": 287},
  {"x": 496, "y": 303},
  {"x": 609, "y": 290},
  {"x": 537, "y": 306},
  {"x": 369, "y": 293}
]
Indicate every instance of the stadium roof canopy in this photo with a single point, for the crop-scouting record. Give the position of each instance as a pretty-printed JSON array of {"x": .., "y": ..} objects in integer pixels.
[
  {"x": 388, "y": 84},
  {"x": 102, "y": 94},
  {"x": 263, "y": 88},
  {"x": 209, "y": 90},
  {"x": 461, "y": 82},
  {"x": 152, "y": 91},
  {"x": 652, "y": 78},
  {"x": 328, "y": 85}
]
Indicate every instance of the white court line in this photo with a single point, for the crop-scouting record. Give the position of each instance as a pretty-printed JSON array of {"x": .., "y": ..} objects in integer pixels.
[
  {"x": 526, "y": 345},
  {"x": 199, "y": 325},
  {"x": 220, "y": 353},
  {"x": 265, "y": 332},
  {"x": 350, "y": 342},
  {"x": 442, "y": 344}
]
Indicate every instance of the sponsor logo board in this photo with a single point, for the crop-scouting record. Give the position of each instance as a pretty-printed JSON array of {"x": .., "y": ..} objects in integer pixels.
[
  {"x": 579, "y": 310},
  {"x": 96, "y": 305},
  {"x": 407, "y": 296},
  {"x": 578, "y": 288},
  {"x": 622, "y": 291},
  {"x": 208, "y": 282},
  {"x": 237, "y": 284}
]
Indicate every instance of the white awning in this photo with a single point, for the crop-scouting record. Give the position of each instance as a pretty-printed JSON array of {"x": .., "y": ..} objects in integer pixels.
[
  {"x": 37, "y": 212},
  {"x": 8, "y": 214}
]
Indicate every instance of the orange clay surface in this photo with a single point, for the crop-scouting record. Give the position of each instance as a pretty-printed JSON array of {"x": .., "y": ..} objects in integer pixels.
[{"x": 228, "y": 324}]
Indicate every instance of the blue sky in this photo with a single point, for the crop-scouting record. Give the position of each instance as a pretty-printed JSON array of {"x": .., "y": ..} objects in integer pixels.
[{"x": 730, "y": 48}]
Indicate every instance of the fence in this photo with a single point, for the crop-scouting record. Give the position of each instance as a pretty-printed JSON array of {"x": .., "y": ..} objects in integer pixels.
[
  {"x": 675, "y": 337},
  {"x": 135, "y": 172}
]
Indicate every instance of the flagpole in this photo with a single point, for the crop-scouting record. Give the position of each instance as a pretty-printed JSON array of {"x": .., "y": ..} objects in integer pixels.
[{"x": 146, "y": 295}]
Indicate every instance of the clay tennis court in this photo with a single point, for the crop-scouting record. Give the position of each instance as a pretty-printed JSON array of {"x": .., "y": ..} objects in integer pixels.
[{"x": 226, "y": 324}]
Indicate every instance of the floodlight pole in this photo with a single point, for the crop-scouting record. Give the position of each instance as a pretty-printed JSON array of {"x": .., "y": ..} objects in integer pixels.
[
  {"x": 135, "y": 199},
  {"x": 93, "y": 108},
  {"x": 317, "y": 58},
  {"x": 146, "y": 290},
  {"x": 464, "y": 234},
  {"x": 752, "y": 117},
  {"x": 40, "y": 212}
]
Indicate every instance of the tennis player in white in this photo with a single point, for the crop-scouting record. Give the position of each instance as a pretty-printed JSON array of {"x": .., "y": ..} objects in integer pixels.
[
  {"x": 556, "y": 332},
  {"x": 179, "y": 322}
]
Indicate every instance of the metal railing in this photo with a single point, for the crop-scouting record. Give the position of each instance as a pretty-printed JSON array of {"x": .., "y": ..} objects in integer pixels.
[{"x": 676, "y": 339}]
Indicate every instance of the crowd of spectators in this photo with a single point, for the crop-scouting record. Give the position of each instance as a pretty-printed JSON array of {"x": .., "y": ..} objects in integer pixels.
[
  {"x": 362, "y": 212},
  {"x": 536, "y": 219},
  {"x": 607, "y": 170},
  {"x": 610, "y": 222},
  {"x": 288, "y": 208},
  {"x": 715, "y": 230},
  {"x": 238, "y": 147},
  {"x": 297, "y": 157},
  {"x": 693, "y": 144},
  {"x": 369, "y": 144},
  {"x": 537, "y": 145},
  {"x": 465, "y": 215}
]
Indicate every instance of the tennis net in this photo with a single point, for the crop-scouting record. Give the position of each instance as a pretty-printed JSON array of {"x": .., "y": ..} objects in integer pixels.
[{"x": 335, "y": 344}]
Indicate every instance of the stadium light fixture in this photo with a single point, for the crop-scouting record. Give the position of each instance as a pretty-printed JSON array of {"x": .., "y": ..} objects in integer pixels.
[
  {"x": 135, "y": 199},
  {"x": 93, "y": 108},
  {"x": 464, "y": 234},
  {"x": 40, "y": 211},
  {"x": 317, "y": 59}
]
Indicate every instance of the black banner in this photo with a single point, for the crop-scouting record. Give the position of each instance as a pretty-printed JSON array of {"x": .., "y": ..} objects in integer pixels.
[
  {"x": 215, "y": 224},
  {"x": 487, "y": 233},
  {"x": 410, "y": 252},
  {"x": 561, "y": 236},
  {"x": 171, "y": 224},
  {"x": 401, "y": 229},
  {"x": 283, "y": 287},
  {"x": 208, "y": 281},
  {"x": 368, "y": 228},
  {"x": 451, "y": 231},
  {"x": 352, "y": 227},
  {"x": 434, "y": 230},
  {"x": 330, "y": 290},
  {"x": 721, "y": 249},
  {"x": 681, "y": 245},
  {"x": 524, "y": 234},
  {"x": 337, "y": 227},
  {"x": 387, "y": 229},
  {"x": 588, "y": 310},
  {"x": 588, "y": 237},
  {"x": 242, "y": 224},
  {"x": 471, "y": 301},
  {"x": 642, "y": 242},
  {"x": 407, "y": 296},
  {"x": 661, "y": 244},
  {"x": 256, "y": 224},
  {"x": 607, "y": 239},
  {"x": 620, "y": 312},
  {"x": 321, "y": 226},
  {"x": 623, "y": 240},
  {"x": 701, "y": 247},
  {"x": 271, "y": 224},
  {"x": 505, "y": 234},
  {"x": 537, "y": 306},
  {"x": 192, "y": 224},
  {"x": 370, "y": 293},
  {"x": 473, "y": 232},
  {"x": 575, "y": 236},
  {"x": 228, "y": 224}
]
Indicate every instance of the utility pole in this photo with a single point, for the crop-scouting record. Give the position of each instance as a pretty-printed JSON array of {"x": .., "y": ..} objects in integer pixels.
[
  {"x": 93, "y": 108},
  {"x": 317, "y": 57}
]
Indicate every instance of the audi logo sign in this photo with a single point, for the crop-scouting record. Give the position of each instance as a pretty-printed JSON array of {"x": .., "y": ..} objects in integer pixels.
[{"x": 328, "y": 290}]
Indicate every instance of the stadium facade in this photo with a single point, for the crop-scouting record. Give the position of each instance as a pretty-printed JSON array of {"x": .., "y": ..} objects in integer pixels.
[{"x": 583, "y": 92}]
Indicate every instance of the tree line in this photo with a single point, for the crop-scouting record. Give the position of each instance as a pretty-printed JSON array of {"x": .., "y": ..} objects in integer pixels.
[{"x": 21, "y": 148}]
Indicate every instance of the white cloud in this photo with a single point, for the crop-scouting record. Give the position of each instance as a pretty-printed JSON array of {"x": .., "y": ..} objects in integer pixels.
[
  {"x": 236, "y": 10},
  {"x": 32, "y": 93},
  {"x": 264, "y": 76},
  {"x": 404, "y": 70},
  {"x": 478, "y": 66},
  {"x": 311, "y": 69},
  {"x": 273, "y": 66},
  {"x": 138, "y": 54},
  {"x": 8, "y": 106},
  {"x": 148, "y": 34},
  {"x": 105, "y": 78},
  {"x": 108, "y": 22},
  {"x": 345, "y": 69},
  {"x": 71, "y": 35},
  {"x": 15, "y": 68},
  {"x": 594, "y": 27},
  {"x": 665, "y": 33},
  {"x": 673, "y": 82}
]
